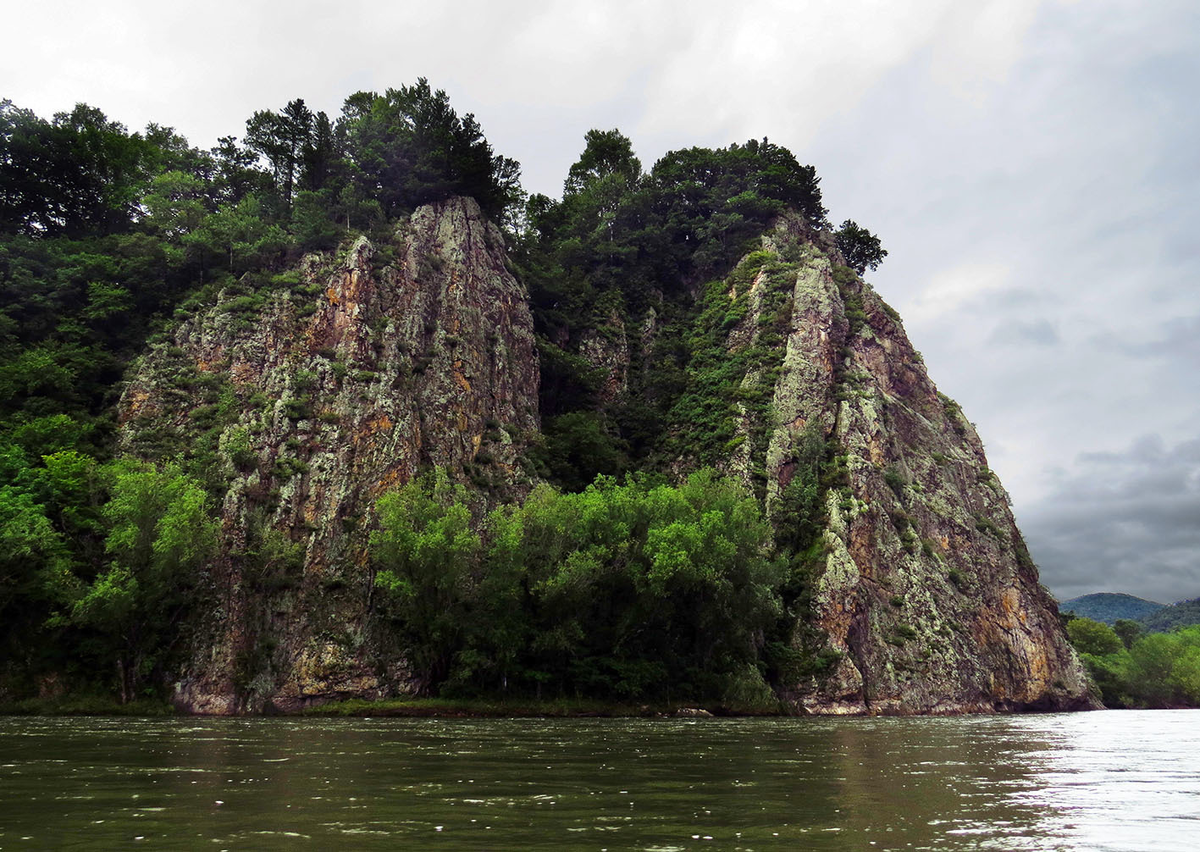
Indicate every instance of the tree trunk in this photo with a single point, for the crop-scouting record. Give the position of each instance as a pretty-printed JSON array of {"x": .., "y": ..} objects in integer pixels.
[{"x": 123, "y": 679}]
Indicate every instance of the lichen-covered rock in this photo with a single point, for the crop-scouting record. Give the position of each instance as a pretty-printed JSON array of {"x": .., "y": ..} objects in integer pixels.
[
  {"x": 924, "y": 598},
  {"x": 606, "y": 349},
  {"x": 313, "y": 394}
]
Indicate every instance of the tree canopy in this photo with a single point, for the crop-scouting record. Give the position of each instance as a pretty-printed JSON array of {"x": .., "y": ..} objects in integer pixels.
[
  {"x": 75, "y": 174},
  {"x": 1132, "y": 669},
  {"x": 859, "y": 246},
  {"x": 408, "y": 147},
  {"x": 628, "y": 589}
]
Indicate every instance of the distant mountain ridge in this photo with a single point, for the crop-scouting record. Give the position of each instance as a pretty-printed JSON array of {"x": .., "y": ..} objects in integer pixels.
[
  {"x": 1173, "y": 616},
  {"x": 1110, "y": 606}
]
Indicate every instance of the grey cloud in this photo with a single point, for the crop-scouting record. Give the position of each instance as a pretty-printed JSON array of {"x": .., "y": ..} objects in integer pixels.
[
  {"x": 1177, "y": 339},
  {"x": 1122, "y": 521},
  {"x": 1018, "y": 333},
  {"x": 1078, "y": 176}
]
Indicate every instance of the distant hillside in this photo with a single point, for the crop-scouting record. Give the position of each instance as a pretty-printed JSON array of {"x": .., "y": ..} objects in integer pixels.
[
  {"x": 1108, "y": 607},
  {"x": 1182, "y": 614}
]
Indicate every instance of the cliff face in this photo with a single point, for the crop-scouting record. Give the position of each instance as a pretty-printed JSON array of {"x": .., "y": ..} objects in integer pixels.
[
  {"x": 922, "y": 595},
  {"x": 314, "y": 394}
]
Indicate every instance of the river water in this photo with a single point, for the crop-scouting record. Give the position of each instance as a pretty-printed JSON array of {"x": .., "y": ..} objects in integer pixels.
[{"x": 1089, "y": 781}]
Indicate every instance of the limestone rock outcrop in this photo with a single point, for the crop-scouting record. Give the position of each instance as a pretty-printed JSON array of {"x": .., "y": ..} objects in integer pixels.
[
  {"x": 315, "y": 393},
  {"x": 924, "y": 598}
]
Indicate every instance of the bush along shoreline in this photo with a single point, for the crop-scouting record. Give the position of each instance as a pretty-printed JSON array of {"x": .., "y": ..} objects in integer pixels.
[{"x": 1133, "y": 669}]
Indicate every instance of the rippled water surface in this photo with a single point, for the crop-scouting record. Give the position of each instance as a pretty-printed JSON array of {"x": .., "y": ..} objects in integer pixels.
[{"x": 1104, "y": 781}]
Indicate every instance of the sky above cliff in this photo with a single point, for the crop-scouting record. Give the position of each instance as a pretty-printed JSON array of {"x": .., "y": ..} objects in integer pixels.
[{"x": 1032, "y": 166}]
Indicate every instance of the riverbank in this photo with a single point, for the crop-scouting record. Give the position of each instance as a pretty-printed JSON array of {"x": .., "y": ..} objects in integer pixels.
[
  {"x": 86, "y": 705},
  {"x": 405, "y": 707},
  {"x": 484, "y": 708}
]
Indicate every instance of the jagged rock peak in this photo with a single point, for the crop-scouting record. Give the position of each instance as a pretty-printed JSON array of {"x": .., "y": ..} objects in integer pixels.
[{"x": 923, "y": 595}]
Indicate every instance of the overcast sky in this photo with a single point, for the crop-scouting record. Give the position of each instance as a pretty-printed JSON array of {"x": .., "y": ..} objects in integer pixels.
[{"x": 1032, "y": 166}]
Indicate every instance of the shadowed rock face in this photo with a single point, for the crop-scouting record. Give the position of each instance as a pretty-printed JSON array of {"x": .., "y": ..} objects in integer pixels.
[
  {"x": 327, "y": 392},
  {"x": 313, "y": 394},
  {"x": 925, "y": 599}
]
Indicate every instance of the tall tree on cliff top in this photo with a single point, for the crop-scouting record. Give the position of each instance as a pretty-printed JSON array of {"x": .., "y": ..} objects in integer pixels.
[
  {"x": 409, "y": 147},
  {"x": 859, "y": 246},
  {"x": 282, "y": 137},
  {"x": 606, "y": 154}
]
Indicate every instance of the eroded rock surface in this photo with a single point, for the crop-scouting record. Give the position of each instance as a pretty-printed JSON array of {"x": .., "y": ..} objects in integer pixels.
[
  {"x": 314, "y": 394},
  {"x": 924, "y": 598}
]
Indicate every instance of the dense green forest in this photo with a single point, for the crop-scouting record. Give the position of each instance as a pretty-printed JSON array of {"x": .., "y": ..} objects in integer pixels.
[
  {"x": 630, "y": 590},
  {"x": 1133, "y": 668},
  {"x": 603, "y": 582}
]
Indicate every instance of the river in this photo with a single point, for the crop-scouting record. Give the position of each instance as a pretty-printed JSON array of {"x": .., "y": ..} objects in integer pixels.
[{"x": 1089, "y": 781}]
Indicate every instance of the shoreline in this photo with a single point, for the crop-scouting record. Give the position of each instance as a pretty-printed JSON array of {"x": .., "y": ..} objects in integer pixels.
[
  {"x": 395, "y": 708},
  {"x": 473, "y": 708}
]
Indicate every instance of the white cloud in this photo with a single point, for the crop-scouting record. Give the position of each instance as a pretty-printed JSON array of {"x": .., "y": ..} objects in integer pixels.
[
  {"x": 950, "y": 290},
  {"x": 782, "y": 68}
]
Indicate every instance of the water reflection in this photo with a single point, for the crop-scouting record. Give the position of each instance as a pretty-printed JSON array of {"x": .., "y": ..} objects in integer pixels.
[
  {"x": 1120, "y": 786},
  {"x": 1087, "y": 781}
]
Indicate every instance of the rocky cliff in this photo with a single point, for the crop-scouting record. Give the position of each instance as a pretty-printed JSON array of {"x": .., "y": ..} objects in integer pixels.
[
  {"x": 928, "y": 592},
  {"x": 315, "y": 392},
  {"x": 920, "y": 595}
]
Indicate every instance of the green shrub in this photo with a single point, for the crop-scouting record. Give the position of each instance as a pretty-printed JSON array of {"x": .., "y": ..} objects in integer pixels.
[
  {"x": 1093, "y": 637},
  {"x": 287, "y": 467},
  {"x": 894, "y": 480},
  {"x": 297, "y": 409},
  {"x": 598, "y": 591}
]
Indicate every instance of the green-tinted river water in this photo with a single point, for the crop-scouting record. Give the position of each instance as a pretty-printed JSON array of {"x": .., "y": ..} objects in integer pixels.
[{"x": 1089, "y": 781}]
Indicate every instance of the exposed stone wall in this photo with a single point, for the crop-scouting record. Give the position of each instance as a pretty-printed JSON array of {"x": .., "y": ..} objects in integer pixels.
[
  {"x": 927, "y": 598},
  {"x": 379, "y": 360}
]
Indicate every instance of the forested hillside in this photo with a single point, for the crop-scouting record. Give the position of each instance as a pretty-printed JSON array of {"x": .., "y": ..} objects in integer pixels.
[
  {"x": 1172, "y": 617},
  {"x": 107, "y": 238},
  {"x": 1110, "y": 607},
  {"x": 336, "y": 410}
]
